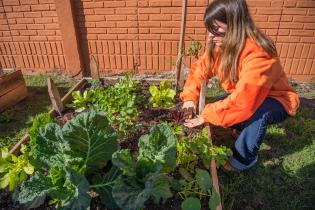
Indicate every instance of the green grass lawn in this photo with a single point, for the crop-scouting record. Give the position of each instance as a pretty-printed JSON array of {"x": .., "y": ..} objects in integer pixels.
[
  {"x": 15, "y": 122},
  {"x": 283, "y": 178}
]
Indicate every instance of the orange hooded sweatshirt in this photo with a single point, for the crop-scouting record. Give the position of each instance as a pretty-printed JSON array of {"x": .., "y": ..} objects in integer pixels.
[{"x": 260, "y": 76}]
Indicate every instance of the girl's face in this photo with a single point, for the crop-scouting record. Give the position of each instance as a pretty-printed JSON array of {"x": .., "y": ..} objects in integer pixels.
[{"x": 221, "y": 28}]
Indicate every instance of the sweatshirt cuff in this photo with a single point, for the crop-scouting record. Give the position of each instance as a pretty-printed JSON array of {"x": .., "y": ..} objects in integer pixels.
[{"x": 210, "y": 116}]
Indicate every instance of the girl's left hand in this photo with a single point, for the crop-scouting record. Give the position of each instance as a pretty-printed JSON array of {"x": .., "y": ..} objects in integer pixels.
[{"x": 191, "y": 123}]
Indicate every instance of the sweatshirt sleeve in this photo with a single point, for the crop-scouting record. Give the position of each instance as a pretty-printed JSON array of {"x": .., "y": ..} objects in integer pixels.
[
  {"x": 197, "y": 73},
  {"x": 258, "y": 73}
]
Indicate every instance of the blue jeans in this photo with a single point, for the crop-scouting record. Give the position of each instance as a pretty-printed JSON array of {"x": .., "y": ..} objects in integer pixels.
[{"x": 253, "y": 130}]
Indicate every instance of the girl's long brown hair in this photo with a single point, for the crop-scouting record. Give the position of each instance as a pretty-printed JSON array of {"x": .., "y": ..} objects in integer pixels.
[{"x": 240, "y": 25}]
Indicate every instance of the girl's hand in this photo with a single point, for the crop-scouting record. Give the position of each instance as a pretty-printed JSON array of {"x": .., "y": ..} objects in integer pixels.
[
  {"x": 189, "y": 109},
  {"x": 191, "y": 123}
]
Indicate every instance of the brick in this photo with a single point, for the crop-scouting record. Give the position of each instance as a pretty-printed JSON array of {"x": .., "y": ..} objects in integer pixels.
[
  {"x": 20, "y": 38},
  {"x": 52, "y": 7},
  {"x": 195, "y": 24},
  {"x": 169, "y": 37},
  {"x": 4, "y": 28},
  {"x": 160, "y": 17},
  {"x": 143, "y": 3},
  {"x": 302, "y": 33},
  {"x": 143, "y": 17},
  {"x": 171, "y": 10},
  {"x": 294, "y": 11},
  {"x": 269, "y": 11},
  {"x": 18, "y": 27},
  {"x": 310, "y": 26},
  {"x": 49, "y": 14},
  {"x": 306, "y": 4},
  {"x": 126, "y": 11},
  {"x": 40, "y": 7},
  {"x": 11, "y": 2},
  {"x": 160, "y": 3},
  {"x": 149, "y": 10},
  {"x": 35, "y": 26},
  {"x": 114, "y": 4},
  {"x": 117, "y": 31},
  {"x": 132, "y": 31},
  {"x": 127, "y": 36},
  {"x": 132, "y": 18},
  {"x": 104, "y": 11},
  {"x": 24, "y": 20},
  {"x": 47, "y": 1},
  {"x": 22, "y": 8},
  {"x": 16, "y": 15},
  {"x": 283, "y": 32},
  {"x": 28, "y": 32},
  {"x": 43, "y": 20},
  {"x": 149, "y": 24},
  {"x": 144, "y": 30},
  {"x": 286, "y": 18},
  {"x": 288, "y": 39},
  {"x": 32, "y": 14},
  {"x": 105, "y": 24},
  {"x": 171, "y": 24},
  {"x": 29, "y": 1},
  {"x": 308, "y": 39},
  {"x": 260, "y": 18},
  {"x": 52, "y": 26},
  {"x": 46, "y": 32},
  {"x": 258, "y": 3},
  {"x": 160, "y": 31},
  {"x": 289, "y": 3},
  {"x": 274, "y": 18},
  {"x": 93, "y": 4},
  {"x": 291, "y": 25},
  {"x": 94, "y": 18},
  {"x": 115, "y": 17},
  {"x": 302, "y": 19},
  {"x": 127, "y": 24}
]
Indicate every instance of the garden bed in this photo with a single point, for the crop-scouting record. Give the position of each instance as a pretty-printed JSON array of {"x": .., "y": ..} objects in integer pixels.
[
  {"x": 12, "y": 89},
  {"x": 150, "y": 122}
]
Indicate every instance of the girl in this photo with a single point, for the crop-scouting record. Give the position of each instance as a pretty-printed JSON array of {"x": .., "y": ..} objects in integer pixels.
[{"x": 247, "y": 65}]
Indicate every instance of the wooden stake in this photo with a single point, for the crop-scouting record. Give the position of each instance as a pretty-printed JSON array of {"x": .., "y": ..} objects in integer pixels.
[
  {"x": 181, "y": 45},
  {"x": 95, "y": 74},
  {"x": 213, "y": 168},
  {"x": 54, "y": 96}
]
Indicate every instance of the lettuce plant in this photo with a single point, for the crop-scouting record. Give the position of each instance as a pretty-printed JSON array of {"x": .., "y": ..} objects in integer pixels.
[
  {"x": 163, "y": 97},
  {"x": 14, "y": 170}
]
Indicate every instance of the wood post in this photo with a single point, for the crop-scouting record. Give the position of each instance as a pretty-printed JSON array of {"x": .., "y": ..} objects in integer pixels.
[
  {"x": 213, "y": 165},
  {"x": 54, "y": 96},
  {"x": 181, "y": 45},
  {"x": 95, "y": 74}
]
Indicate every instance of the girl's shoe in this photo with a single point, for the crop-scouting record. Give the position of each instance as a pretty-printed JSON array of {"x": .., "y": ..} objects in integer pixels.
[{"x": 227, "y": 167}]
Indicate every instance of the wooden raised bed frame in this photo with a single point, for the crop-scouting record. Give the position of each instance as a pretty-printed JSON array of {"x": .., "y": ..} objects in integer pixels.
[
  {"x": 68, "y": 97},
  {"x": 12, "y": 89}
]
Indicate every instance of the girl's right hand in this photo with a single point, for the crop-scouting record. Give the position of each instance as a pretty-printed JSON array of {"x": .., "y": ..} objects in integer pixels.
[{"x": 189, "y": 109}]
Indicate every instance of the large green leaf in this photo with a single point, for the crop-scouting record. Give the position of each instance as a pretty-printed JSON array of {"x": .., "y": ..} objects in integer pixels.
[
  {"x": 191, "y": 204},
  {"x": 123, "y": 160},
  {"x": 37, "y": 187},
  {"x": 203, "y": 179},
  {"x": 160, "y": 188},
  {"x": 51, "y": 148},
  {"x": 130, "y": 194},
  {"x": 103, "y": 186},
  {"x": 159, "y": 146},
  {"x": 90, "y": 136},
  {"x": 80, "y": 200}
]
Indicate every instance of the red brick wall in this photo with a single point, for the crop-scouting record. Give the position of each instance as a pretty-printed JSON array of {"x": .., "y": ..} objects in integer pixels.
[
  {"x": 144, "y": 34},
  {"x": 29, "y": 32}
]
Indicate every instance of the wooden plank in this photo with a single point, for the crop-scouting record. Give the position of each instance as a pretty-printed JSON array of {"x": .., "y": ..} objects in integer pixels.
[
  {"x": 7, "y": 79},
  {"x": 213, "y": 167},
  {"x": 13, "y": 97},
  {"x": 95, "y": 74},
  {"x": 65, "y": 100},
  {"x": 54, "y": 96}
]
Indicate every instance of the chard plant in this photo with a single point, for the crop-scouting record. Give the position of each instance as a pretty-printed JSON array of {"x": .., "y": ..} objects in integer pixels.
[{"x": 162, "y": 97}]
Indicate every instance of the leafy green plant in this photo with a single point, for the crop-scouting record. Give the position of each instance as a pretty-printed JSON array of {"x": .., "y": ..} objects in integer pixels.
[
  {"x": 204, "y": 148},
  {"x": 163, "y": 97},
  {"x": 14, "y": 170},
  {"x": 69, "y": 154},
  {"x": 144, "y": 177},
  {"x": 193, "y": 190},
  {"x": 119, "y": 102},
  {"x": 192, "y": 49}
]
